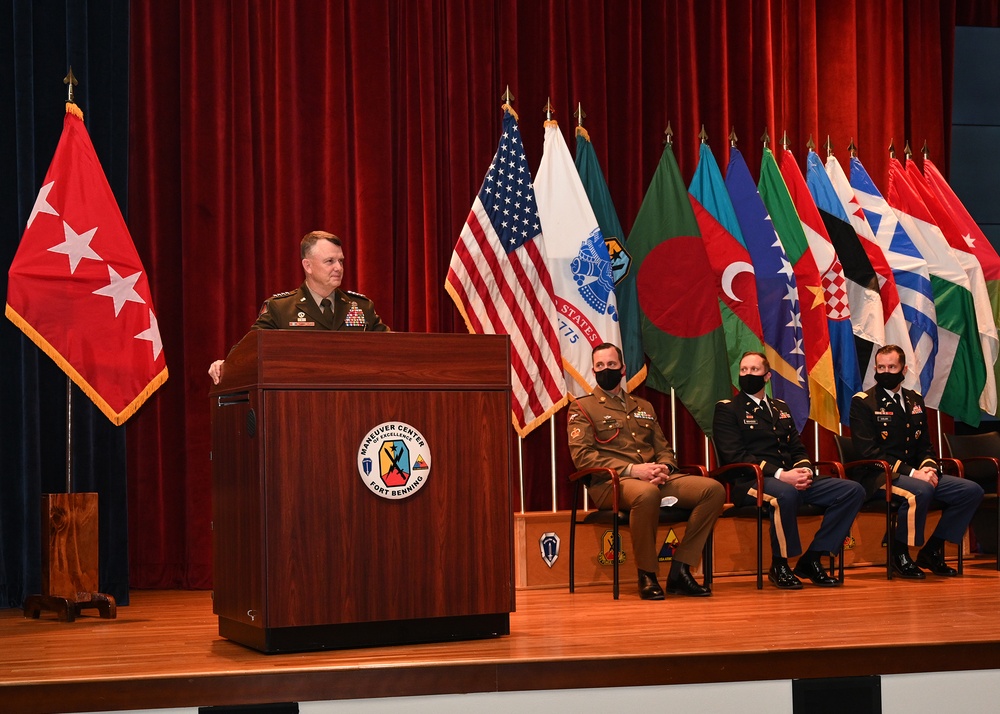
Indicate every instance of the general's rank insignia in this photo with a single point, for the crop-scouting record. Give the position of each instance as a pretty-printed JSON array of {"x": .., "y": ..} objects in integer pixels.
[{"x": 355, "y": 316}]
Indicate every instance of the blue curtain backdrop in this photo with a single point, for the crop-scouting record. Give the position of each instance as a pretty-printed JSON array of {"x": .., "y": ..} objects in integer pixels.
[{"x": 39, "y": 40}]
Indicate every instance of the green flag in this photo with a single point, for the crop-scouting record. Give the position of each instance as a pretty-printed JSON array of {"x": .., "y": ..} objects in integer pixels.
[
  {"x": 623, "y": 271},
  {"x": 678, "y": 297}
]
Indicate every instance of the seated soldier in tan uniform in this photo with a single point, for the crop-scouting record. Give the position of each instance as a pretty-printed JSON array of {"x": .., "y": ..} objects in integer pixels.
[{"x": 614, "y": 429}]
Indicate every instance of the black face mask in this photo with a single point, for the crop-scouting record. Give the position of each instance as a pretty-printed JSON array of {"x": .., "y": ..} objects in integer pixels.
[
  {"x": 751, "y": 383},
  {"x": 888, "y": 380},
  {"x": 608, "y": 379}
]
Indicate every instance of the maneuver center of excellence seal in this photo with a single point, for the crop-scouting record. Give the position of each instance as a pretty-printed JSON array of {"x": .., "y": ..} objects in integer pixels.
[{"x": 394, "y": 460}]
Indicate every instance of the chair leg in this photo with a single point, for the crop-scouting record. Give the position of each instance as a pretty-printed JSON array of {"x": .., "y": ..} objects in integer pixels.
[
  {"x": 889, "y": 530},
  {"x": 706, "y": 560},
  {"x": 760, "y": 549},
  {"x": 572, "y": 549}
]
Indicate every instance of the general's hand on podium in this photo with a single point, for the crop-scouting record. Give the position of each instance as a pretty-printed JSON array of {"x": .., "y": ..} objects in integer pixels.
[{"x": 215, "y": 371}]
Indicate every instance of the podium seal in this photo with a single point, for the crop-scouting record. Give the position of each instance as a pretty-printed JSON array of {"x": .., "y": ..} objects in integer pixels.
[{"x": 394, "y": 460}]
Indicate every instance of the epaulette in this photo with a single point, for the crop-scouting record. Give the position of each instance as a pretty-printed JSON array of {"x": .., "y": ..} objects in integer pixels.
[
  {"x": 863, "y": 395},
  {"x": 289, "y": 293},
  {"x": 357, "y": 294},
  {"x": 725, "y": 401}
]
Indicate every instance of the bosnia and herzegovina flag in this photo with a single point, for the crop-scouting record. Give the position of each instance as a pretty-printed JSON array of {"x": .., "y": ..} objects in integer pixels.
[
  {"x": 681, "y": 325},
  {"x": 777, "y": 292}
]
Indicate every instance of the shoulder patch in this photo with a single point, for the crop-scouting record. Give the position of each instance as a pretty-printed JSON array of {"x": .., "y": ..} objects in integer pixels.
[{"x": 287, "y": 293}]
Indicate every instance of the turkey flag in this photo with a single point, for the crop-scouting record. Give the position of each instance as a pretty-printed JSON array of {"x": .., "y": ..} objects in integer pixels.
[{"x": 77, "y": 287}]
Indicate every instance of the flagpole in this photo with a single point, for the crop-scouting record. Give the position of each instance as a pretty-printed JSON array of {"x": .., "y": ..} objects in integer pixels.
[
  {"x": 70, "y": 81},
  {"x": 69, "y": 433},
  {"x": 520, "y": 469},
  {"x": 552, "y": 452},
  {"x": 673, "y": 417}
]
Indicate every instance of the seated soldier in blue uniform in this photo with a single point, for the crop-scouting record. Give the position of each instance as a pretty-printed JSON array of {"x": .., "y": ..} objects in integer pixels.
[
  {"x": 752, "y": 428},
  {"x": 889, "y": 422}
]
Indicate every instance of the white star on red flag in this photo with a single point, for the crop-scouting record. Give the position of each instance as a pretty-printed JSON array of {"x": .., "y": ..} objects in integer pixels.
[
  {"x": 76, "y": 246},
  {"x": 42, "y": 204},
  {"x": 120, "y": 289}
]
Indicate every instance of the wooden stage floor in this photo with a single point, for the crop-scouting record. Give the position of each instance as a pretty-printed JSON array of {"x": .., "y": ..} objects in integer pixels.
[{"x": 164, "y": 649}]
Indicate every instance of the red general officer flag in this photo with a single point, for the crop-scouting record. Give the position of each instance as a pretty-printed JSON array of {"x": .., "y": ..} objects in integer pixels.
[{"x": 77, "y": 287}]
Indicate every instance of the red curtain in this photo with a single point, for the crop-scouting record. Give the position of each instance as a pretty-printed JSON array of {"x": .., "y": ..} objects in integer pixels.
[{"x": 255, "y": 121}]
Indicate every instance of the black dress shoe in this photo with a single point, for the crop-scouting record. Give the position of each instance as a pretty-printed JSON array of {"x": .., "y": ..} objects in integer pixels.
[
  {"x": 814, "y": 571},
  {"x": 649, "y": 589},
  {"x": 903, "y": 566},
  {"x": 933, "y": 560},
  {"x": 681, "y": 582},
  {"x": 783, "y": 577}
]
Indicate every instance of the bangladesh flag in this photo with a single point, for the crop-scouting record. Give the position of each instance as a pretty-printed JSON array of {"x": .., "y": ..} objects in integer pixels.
[{"x": 678, "y": 297}]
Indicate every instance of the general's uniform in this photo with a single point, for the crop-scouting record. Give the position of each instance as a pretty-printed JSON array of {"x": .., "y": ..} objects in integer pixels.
[
  {"x": 882, "y": 428},
  {"x": 743, "y": 431},
  {"x": 620, "y": 431},
  {"x": 297, "y": 310}
]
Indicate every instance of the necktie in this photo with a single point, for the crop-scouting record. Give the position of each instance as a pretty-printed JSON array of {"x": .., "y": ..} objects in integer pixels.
[
  {"x": 327, "y": 307},
  {"x": 902, "y": 404},
  {"x": 766, "y": 406}
]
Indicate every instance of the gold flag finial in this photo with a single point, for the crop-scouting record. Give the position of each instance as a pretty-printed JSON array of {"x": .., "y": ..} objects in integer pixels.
[
  {"x": 703, "y": 135},
  {"x": 70, "y": 81},
  {"x": 852, "y": 149},
  {"x": 828, "y": 146},
  {"x": 907, "y": 151},
  {"x": 811, "y": 145},
  {"x": 926, "y": 151},
  {"x": 549, "y": 111},
  {"x": 784, "y": 140},
  {"x": 507, "y": 97},
  {"x": 669, "y": 133},
  {"x": 579, "y": 114},
  {"x": 765, "y": 138},
  {"x": 732, "y": 137},
  {"x": 892, "y": 150}
]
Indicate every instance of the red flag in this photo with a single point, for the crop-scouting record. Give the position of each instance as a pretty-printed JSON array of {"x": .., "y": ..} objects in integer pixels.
[
  {"x": 500, "y": 283},
  {"x": 77, "y": 287}
]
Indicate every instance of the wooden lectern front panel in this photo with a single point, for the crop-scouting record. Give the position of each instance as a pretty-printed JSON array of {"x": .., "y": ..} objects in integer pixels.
[{"x": 337, "y": 553}]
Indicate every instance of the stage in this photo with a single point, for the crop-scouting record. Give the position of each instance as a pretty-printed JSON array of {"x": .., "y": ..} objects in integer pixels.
[{"x": 164, "y": 649}]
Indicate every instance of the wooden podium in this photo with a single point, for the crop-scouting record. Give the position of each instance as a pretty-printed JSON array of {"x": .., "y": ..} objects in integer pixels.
[{"x": 307, "y": 555}]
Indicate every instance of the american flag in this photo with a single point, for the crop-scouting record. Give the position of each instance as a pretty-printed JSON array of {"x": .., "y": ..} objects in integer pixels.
[{"x": 500, "y": 283}]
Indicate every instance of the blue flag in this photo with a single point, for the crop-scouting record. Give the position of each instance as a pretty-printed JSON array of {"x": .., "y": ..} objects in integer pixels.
[{"x": 777, "y": 292}]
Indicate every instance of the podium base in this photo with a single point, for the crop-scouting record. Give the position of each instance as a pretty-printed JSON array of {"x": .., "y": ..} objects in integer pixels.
[{"x": 273, "y": 640}]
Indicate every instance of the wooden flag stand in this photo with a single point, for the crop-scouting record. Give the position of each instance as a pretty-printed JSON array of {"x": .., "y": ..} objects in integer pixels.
[
  {"x": 69, "y": 559},
  {"x": 69, "y": 534}
]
